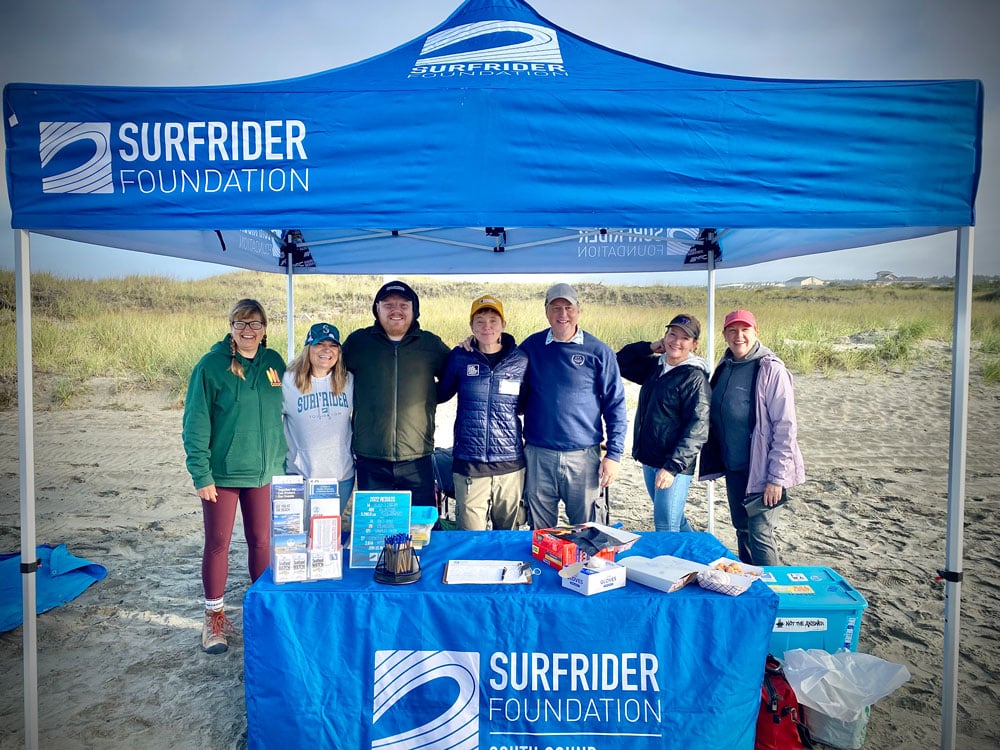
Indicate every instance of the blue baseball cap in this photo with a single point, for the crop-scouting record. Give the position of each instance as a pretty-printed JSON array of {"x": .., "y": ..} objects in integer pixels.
[
  {"x": 322, "y": 332},
  {"x": 687, "y": 323}
]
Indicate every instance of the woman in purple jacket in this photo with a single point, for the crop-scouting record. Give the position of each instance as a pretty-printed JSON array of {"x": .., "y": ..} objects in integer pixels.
[{"x": 752, "y": 436}]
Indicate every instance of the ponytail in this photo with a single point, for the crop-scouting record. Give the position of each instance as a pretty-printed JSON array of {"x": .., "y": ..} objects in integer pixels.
[{"x": 235, "y": 367}]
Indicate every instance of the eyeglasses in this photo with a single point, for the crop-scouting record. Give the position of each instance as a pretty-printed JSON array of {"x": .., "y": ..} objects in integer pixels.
[{"x": 253, "y": 325}]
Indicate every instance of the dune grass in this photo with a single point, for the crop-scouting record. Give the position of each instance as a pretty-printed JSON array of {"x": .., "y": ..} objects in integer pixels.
[{"x": 149, "y": 331}]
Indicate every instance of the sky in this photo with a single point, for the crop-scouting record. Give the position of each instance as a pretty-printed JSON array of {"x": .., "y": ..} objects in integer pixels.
[{"x": 193, "y": 43}]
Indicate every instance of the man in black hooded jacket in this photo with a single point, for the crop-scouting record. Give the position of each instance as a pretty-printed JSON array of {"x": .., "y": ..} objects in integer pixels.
[{"x": 396, "y": 365}]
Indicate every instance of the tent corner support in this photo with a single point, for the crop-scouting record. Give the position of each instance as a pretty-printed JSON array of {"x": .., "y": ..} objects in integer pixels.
[
  {"x": 26, "y": 426},
  {"x": 960, "y": 355}
]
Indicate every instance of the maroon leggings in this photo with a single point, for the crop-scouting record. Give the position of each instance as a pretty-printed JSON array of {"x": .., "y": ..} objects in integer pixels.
[{"x": 255, "y": 504}]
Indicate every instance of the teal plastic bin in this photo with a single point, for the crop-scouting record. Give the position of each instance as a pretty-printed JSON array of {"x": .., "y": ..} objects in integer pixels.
[
  {"x": 817, "y": 608},
  {"x": 422, "y": 520}
]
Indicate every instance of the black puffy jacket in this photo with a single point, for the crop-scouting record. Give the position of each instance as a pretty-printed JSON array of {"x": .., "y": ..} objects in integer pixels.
[{"x": 671, "y": 420}]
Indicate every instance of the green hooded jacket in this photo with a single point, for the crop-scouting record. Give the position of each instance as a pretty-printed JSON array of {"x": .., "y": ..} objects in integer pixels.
[{"x": 233, "y": 434}]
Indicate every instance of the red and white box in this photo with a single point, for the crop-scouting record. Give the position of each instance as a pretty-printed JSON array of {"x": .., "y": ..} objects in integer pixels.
[{"x": 553, "y": 546}]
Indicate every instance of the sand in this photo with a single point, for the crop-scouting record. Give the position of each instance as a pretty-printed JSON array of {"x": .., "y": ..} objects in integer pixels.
[{"x": 120, "y": 666}]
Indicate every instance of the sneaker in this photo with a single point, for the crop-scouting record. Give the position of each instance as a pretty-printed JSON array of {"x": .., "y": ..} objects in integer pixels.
[{"x": 213, "y": 633}]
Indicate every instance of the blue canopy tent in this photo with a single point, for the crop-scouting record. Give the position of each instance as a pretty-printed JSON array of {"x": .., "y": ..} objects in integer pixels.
[{"x": 500, "y": 142}]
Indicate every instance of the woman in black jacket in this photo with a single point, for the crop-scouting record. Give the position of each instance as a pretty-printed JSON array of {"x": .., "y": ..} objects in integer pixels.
[{"x": 671, "y": 421}]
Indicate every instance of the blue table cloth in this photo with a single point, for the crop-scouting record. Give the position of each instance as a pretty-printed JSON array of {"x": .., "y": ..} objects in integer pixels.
[{"x": 435, "y": 665}]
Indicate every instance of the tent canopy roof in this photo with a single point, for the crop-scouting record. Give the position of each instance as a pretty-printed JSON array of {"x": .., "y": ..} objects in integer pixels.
[{"x": 496, "y": 118}]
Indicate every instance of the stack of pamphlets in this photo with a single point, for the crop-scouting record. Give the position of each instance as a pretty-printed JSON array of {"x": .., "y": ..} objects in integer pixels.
[
  {"x": 325, "y": 554},
  {"x": 305, "y": 529},
  {"x": 289, "y": 540}
]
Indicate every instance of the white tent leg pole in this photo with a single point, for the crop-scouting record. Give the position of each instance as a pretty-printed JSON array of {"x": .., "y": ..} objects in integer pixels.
[
  {"x": 710, "y": 357},
  {"x": 289, "y": 311},
  {"x": 952, "y": 573},
  {"x": 26, "y": 430}
]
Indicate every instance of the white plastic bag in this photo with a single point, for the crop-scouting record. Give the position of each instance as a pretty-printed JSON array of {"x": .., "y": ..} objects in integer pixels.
[{"x": 841, "y": 685}]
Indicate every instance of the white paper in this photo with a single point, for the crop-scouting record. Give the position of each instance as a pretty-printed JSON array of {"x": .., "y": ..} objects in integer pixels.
[
  {"x": 324, "y": 533},
  {"x": 487, "y": 571}
]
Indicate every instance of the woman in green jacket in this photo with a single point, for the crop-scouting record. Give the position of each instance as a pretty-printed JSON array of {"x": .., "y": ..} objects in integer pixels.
[{"x": 235, "y": 443}]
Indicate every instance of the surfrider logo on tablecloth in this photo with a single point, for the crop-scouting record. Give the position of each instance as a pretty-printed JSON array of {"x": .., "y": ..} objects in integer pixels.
[
  {"x": 439, "y": 700},
  {"x": 448, "y": 686}
]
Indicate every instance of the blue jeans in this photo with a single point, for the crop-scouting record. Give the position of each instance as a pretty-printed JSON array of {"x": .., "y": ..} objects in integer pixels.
[{"x": 668, "y": 504}]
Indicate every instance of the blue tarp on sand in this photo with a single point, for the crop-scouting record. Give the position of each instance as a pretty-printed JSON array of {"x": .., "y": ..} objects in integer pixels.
[{"x": 61, "y": 577}]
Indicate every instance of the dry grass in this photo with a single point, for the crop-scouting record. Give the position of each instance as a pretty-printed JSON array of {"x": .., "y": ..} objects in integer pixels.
[{"x": 148, "y": 331}]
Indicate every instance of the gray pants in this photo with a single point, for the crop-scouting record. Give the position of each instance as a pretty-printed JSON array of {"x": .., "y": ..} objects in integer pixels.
[
  {"x": 570, "y": 476},
  {"x": 754, "y": 536}
]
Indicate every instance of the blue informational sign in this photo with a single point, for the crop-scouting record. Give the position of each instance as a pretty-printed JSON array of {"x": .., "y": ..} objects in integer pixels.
[
  {"x": 436, "y": 666},
  {"x": 377, "y": 514}
]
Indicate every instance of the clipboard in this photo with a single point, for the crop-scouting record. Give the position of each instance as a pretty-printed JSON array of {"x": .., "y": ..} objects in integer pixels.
[{"x": 487, "y": 571}]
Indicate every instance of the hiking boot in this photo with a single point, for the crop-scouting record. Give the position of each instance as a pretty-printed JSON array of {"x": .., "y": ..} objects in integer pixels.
[{"x": 213, "y": 633}]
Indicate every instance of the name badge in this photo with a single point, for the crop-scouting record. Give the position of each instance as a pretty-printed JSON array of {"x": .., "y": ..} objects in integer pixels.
[{"x": 510, "y": 387}]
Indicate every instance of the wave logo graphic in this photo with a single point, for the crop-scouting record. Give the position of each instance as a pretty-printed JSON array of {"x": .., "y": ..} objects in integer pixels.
[
  {"x": 448, "y": 680},
  {"x": 94, "y": 174},
  {"x": 541, "y": 45}
]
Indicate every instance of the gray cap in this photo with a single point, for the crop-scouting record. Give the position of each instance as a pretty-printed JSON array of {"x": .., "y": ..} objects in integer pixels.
[{"x": 561, "y": 291}]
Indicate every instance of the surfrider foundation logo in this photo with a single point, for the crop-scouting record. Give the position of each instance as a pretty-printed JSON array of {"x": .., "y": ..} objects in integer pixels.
[
  {"x": 448, "y": 684},
  {"x": 541, "y": 46},
  {"x": 156, "y": 157},
  {"x": 94, "y": 174},
  {"x": 490, "y": 48}
]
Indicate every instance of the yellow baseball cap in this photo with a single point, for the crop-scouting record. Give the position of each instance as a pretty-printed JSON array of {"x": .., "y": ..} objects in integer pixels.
[{"x": 486, "y": 303}]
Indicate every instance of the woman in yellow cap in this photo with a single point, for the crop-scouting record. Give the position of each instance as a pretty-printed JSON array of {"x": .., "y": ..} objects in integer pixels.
[{"x": 488, "y": 453}]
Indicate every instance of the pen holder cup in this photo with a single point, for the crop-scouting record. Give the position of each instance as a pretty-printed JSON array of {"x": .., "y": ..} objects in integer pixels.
[{"x": 397, "y": 566}]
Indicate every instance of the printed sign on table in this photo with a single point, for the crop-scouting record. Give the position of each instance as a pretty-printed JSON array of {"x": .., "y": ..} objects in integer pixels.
[{"x": 377, "y": 514}]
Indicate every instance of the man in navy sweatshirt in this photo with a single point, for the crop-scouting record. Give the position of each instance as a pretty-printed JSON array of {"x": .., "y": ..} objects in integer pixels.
[{"x": 574, "y": 396}]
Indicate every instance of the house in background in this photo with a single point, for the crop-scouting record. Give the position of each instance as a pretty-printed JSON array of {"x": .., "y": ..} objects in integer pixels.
[
  {"x": 800, "y": 281},
  {"x": 885, "y": 277}
]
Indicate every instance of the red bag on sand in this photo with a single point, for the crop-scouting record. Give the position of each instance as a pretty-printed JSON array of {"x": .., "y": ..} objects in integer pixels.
[{"x": 779, "y": 723}]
